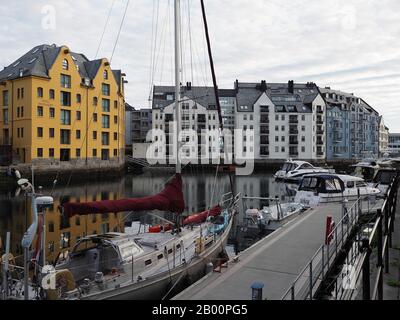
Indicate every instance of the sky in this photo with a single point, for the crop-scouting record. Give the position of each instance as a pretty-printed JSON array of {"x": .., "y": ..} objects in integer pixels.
[{"x": 351, "y": 46}]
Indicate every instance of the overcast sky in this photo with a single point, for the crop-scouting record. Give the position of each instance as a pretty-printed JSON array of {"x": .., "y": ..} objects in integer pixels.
[{"x": 348, "y": 45}]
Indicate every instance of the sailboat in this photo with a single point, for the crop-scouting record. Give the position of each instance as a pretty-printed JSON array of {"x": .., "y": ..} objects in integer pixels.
[{"x": 154, "y": 264}]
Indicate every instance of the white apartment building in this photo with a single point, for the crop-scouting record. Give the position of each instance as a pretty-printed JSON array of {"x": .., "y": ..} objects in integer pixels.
[
  {"x": 199, "y": 113},
  {"x": 288, "y": 119}
]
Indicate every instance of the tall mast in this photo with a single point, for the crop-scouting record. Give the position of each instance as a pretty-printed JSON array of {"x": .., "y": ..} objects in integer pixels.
[{"x": 178, "y": 80}]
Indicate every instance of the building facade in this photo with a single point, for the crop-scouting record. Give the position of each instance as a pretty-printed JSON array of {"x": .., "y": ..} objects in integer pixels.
[
  {"x": 58, "y": 106},
  {"x": 199, "y": 113},
  {"x": 288, "y": 119},
  {"x": 352, "y": 126},
  {"x": 383, "y": 138},
  {"x": 394, "y": 144},
  {"x": 138, "y": 122}
]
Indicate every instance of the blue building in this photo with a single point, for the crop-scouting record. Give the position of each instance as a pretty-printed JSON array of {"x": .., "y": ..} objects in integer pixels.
[{"x": 352, "y": 126}]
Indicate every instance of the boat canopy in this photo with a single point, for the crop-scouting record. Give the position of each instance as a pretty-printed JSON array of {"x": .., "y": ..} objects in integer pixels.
[
  {"x": 322, "y": 184},
  {"x": 169, "y": 200}
]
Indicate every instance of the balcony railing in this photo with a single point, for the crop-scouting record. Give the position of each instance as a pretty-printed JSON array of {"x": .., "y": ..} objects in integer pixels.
[
  {"x": 320, "y": 131},
  {"x": 264, "y": 120},
  {"x": 294, "y": 142},
  {"x": 292, "y": 131},
  {"x": 264, "y": 130},
  {"x": 295, "y": 121}
]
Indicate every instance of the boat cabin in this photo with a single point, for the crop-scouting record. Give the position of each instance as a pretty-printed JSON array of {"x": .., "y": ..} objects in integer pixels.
[{"x": 322, "y": 184}]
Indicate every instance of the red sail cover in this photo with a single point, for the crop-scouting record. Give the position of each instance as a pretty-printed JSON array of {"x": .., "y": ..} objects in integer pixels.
[
  {"x": 170, "y": 199},
  {"x": 202, "y": 217}
]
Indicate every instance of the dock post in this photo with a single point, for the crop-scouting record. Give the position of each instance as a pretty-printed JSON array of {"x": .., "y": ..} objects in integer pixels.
[
  {"x": 311, "y": 281},
  {"x": 380, "y": 255},
  {"x": 256, "y": 290},
  {"x": 5, "y": 267},
  {"x": 366, "y": 271}
]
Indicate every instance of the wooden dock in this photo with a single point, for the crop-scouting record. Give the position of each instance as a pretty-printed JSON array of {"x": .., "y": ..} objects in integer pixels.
[{"x": 275, "y": 261}]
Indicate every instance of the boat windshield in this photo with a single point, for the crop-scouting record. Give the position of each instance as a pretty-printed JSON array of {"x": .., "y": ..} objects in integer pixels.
[
  {"x": 384, "y": 177},
  {"x": 309, "y": 184},
  {"x": 289, "y": 166}
]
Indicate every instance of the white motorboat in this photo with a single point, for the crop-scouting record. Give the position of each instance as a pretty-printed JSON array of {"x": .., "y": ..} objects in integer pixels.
[
  {"x": 383, "y": 178},
  {"x": 271, "y": 217},
  {"x": 295, "y": 170},
  {"x": 322, "y": 188}
]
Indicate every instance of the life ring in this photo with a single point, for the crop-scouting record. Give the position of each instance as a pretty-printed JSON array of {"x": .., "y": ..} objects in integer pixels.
[{"x": 64, "y": 282}]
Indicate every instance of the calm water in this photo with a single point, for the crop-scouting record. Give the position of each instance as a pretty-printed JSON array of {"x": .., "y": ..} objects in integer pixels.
[{"x": 199, "y": 190}]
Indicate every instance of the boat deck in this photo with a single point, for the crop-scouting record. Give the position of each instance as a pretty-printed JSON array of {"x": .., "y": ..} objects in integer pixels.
[{"x": 275, "y": 260}]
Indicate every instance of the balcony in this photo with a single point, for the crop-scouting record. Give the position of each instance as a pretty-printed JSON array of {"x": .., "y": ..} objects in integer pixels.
[
  {"x": 320, "y": 153},
  {"x": 264, "y": 140},
  {"x": 293, "y": 142},
  {"x": 320, "y": 121},
  {"x": 264, "y": 130},
  {"x": 319, "y": 111},
  {"x": 293, "y": 131},
  {"x": 293, "y": 121},
  {"x": 320, "y": 142},
  {"x": 320, "y": 131},
  {"x": 293, "y": 153},
  {"x": 264, "y": 119}
]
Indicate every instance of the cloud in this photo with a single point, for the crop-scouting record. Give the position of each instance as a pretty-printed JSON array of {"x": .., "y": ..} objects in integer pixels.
[{"x": 351, "y": 46}]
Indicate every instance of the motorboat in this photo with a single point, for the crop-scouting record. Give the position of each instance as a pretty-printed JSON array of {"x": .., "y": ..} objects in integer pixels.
[
  {"x": 271, "y": 217},
  {"x": 294, "y": 170},
  {"x": 322, "y": 188},
  {"x": 383, "y": 178},
  {"x": 366, "y": 169}
]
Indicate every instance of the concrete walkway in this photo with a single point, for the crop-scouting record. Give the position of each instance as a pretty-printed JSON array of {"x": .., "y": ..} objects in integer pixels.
[{"x": 275, "y": 260}]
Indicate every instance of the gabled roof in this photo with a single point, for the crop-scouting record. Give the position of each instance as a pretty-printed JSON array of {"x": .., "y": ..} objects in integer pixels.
[
  {"x": 39, "y": 60},
  {"x": 202, "y": 95},
  {"x": 301, "y": 98}
]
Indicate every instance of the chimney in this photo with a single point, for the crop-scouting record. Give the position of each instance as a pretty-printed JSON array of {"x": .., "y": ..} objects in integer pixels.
[
  {"x": 291, "y": 86},
  {"x": 263, "y": 87},
  {"x": 237, "y": 86},
  {"x": 188, "y": 86}
]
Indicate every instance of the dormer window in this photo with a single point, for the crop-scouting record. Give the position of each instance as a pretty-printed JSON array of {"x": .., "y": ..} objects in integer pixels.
[
  {"x": 105, "y": 75},
  {"x": 65, "y": 64}
]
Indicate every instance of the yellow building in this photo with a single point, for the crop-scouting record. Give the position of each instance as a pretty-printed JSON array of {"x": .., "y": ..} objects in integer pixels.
[{"x": 56, "y": 105}]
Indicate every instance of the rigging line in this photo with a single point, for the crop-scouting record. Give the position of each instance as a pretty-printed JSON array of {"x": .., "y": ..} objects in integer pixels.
[
  {"x": 154, "y": 45},
  {"x": 163, "y": 45},
  {"x": 162, "y": 35},
  {"x": 151, "y": 53},
  {"x": 120, "y": 28},
  {"x": 105, "y": 27},
  {"x": 190, "y": 40}
]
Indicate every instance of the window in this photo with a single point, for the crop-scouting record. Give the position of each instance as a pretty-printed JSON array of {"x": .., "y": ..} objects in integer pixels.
[
  {"x": 52, "y": 112},
  {"x": 40, "y": 132},
  {"x": 283, "y": 149},
  {"x": 105, "y": 138},
  {"x": 115, "y": 136},
  {"x": 283, "y": 117},
  {"x": 51, "y": 132},
  {"x": 105, "y": 104},
  {"x": 147, "y": 262},
  {"x": 94, "y": 135},
  {"x": 276, "y": 149},
  {"x": 40, "y": 111},
  {"x": 105, "y": 121},
  {"x": 94, "y": 153},
  {"x": 51, "y": 153},
  {"x": 5, "y": 98},
  {"x": 115, "y": 153},
  {"x": 65, "y": 64},
  {"x": 65, "y": 136},
  {"x": 116, "y": 119},
  {"x": 22, "y": 93},
  {"x": 95, "y": 101},
  {"x": 276, "y": 138},
  {"x": 78, "y": 153},
  {"x": 51, "y": 226},
  {"x": 65, "y": 98},
  {"x": 78, "y": 98},
  {"x": 105, "y": 75},
  {"x": 5, "y": 116},
  {"x": 105, "y": 89},
  {"x": 105, "y": 154},
  {"x": 303, "y": 128},
  {"x": 78, "y": 115},
  {"x": 303, "y": 149},
  {"x": 65, "y": 117},
  {"x": 78, "y": 134},
  {"x": 40, "y": 152},
  {"x": 94, "y": 117},
  {"x": 115, "y": 104},
  {"x": 40, "y": 92},
  {"x": 51, "y": 94},
  {"x": 65, "y": 81}
]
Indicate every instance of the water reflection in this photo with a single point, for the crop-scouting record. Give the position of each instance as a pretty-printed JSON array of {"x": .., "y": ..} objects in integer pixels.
[{"x": 200, "y": 193}]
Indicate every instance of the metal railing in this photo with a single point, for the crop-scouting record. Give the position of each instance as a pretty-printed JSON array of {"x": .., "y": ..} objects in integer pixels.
[{"x": 307, "y": 282}]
